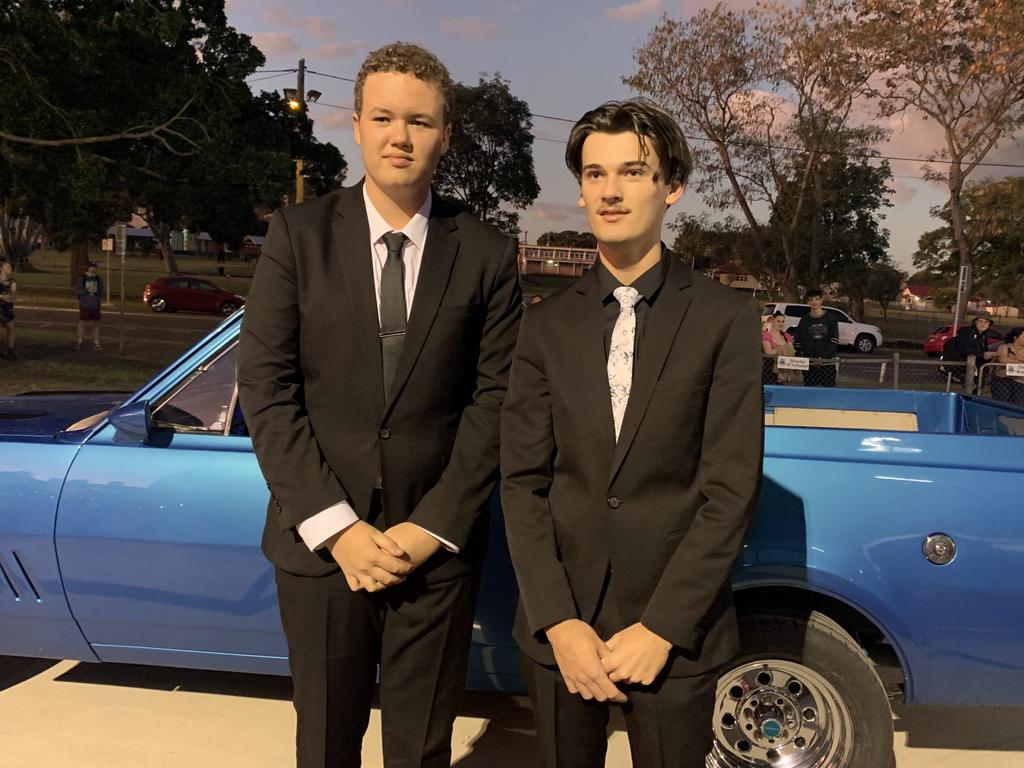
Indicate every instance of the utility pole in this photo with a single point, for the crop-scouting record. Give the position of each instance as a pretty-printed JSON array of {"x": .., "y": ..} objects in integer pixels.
[{"x": 301, "y": 98}]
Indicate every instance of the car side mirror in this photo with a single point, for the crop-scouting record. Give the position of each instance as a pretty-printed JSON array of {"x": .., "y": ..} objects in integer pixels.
[{"x": 133, "y": 421}]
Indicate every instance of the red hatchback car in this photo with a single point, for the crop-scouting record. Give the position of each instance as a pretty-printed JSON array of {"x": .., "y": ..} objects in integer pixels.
[
  {"x": 937, "y": 340},
  {"x": 167, "y": 294}
]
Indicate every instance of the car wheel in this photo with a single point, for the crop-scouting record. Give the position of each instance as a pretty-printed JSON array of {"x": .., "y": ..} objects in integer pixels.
[
  {"x": 228, "y": 307},
  {"x": 864, "y": 343},
  {"x": 158, "y": 304},
  {"x": 802, "y": 694}
]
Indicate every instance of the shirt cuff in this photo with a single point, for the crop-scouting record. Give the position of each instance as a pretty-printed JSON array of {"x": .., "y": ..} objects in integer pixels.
[
  {"x": 316, "y": 530},
  {"x": 444, "y": 542}
]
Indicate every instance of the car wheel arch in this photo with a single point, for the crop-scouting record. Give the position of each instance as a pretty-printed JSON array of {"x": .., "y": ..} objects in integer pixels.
[{"x": 865, "y": 630}]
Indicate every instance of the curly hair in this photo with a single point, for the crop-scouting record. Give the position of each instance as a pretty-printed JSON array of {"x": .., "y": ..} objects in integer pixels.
[
  {"x": 649, "y": 122},
  {"x": 407, "y": 58}
]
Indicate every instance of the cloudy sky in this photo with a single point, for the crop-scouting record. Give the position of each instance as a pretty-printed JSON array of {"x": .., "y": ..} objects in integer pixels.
[{"x": 561, "y": 56}]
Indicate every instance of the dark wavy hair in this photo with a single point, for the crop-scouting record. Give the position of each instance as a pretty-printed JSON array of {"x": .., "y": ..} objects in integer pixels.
[
  {"x": 645, "y": 119},
  {"x": 1012, "y": 334}
]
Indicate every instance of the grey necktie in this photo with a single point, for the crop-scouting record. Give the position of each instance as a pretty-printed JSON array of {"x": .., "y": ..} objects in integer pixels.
[{"x": 392, "y": 307}]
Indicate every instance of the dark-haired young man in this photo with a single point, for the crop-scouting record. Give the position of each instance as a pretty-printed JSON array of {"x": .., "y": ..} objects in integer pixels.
[
  {"x": 631, "y": 457},
  {"x": 374, "y": 358},
  {"x": 817, "y": 336}
]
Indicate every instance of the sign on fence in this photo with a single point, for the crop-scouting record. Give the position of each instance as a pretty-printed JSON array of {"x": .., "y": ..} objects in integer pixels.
[
  {"x": 787, "y": 363},
  {"x": 1015, "y": 369}
]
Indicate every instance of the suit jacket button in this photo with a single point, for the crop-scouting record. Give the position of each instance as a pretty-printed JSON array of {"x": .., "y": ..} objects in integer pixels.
[
  {"x": 613, "y": 502},
  {"x": 384, "y": 433}
]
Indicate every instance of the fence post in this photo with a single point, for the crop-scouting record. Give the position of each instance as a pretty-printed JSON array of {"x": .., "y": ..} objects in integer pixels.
[
  {"x": 895, "y": 370},
  {"x": 969, "y": 375}
]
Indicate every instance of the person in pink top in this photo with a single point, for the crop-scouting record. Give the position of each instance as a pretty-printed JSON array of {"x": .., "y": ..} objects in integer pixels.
[{"x": 775, "y": 341}]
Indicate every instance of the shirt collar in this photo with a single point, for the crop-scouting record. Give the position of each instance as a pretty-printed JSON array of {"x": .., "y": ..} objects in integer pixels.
[
  {"x": 415, "y": 230},
  {"x": 647, "y": 285}
]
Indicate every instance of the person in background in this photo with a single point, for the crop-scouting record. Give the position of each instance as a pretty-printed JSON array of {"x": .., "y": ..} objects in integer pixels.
[
  {"x": 1009, "y": 389},
  {"x": 8, "y": 293},
  {"x": 817, "y": 337},
  {"x": 775, "y": 341},
  {"x": 974, "y": 341},
  {"x": 91, "y": 292}
]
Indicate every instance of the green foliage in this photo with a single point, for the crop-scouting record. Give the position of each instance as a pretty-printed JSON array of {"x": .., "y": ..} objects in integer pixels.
[
  {"x": 710, "y": 243},
  {"x": 995, "y": 232},
  {"x": 883, "y": 284},
  {"x": 489, "y": 163},
  {"x": 110, "y": 106},
  {"x": 568, "y": 238}
]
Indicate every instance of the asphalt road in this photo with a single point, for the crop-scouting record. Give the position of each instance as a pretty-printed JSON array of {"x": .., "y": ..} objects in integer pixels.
[{"x": 71, "y": 715}]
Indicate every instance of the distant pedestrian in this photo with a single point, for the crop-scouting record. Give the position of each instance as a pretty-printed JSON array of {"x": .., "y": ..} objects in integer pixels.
[
  {"x": 817, "y": 337},
  {"x": 90, "y": 291},
  {"x": 775, "y": 341},
  {"x": 8, "y": 293},
  {"x": 1008, "y": 388}
]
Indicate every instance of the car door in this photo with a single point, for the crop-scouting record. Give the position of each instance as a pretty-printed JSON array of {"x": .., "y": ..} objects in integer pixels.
[
  {"x": 178, "y": 293},
  {"x": 208, "y": 296},
  {"x": 158, "y": 543},
  {"x": 793, "y": 314},
  {"x": 847, "y": 329}
]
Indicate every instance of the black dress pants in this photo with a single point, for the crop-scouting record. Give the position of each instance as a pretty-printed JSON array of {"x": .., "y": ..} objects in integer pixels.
[
  {"x": 668, "y": 723},
  {"x": 418, "y": 632}
]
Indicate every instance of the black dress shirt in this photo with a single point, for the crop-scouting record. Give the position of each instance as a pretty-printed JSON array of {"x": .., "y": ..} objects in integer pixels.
[{"x": 647, "y": 285}]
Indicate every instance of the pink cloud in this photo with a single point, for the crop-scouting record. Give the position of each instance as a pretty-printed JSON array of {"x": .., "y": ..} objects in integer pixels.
[
  {"x": 275, "y": 43},
  {"x": 903, "y": 192},
  {"x": 318, "y": 26},
  {"x": 340, "y": 50},
  {"x": 473, "y": 27},
  {"x": 557, "y": 213},
  {"x": 633, "y": 11},
  {"x": 335, "y": 119}
]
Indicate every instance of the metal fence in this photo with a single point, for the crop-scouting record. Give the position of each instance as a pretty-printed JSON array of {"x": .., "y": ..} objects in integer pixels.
[{"x": 879, "y": 372}]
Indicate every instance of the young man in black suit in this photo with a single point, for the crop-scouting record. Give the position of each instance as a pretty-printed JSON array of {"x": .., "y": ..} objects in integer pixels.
[
  {"x": 631, "y": 458},
  {"x": 374, "y": 358}
]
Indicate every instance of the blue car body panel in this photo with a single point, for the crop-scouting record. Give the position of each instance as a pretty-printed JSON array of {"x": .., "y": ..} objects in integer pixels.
[{"x": 149, "y": 553}]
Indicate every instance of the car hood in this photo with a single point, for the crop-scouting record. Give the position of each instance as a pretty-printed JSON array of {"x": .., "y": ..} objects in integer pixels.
[{"x": 46, "y": 414}]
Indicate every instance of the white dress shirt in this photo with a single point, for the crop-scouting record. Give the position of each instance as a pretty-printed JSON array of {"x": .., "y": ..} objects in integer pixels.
[{"x": 316, "y": 530}]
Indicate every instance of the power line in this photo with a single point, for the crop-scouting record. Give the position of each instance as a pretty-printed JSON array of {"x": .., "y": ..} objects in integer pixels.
[
  {"x": 858, "y": 155},
  {"x": 268, "y": 77},
  {"x": 276, "y": 70}
]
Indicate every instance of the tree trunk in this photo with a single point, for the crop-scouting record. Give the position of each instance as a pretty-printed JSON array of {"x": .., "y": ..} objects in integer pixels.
[
  {"x": 789, "y": 289},
  {"x": 956, "y": 214},
  {"x": 79, "y": 258}
]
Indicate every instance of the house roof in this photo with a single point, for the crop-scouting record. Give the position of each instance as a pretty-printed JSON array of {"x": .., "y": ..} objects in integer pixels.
[{"x": 919, "y": 289}]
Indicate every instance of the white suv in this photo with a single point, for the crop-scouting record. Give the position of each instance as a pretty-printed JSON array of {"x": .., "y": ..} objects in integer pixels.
[{"x": 861, "y": 336}]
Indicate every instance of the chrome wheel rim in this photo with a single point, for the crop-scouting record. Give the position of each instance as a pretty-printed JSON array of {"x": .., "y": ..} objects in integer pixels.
[
  {"x": 158, "y": 304},
  {"x": 780, "y": 714},
  {"x": 865, "y": 345}
]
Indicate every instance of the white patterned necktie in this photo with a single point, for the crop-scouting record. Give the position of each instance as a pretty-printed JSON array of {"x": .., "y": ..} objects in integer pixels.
[{"x": 620, "y": 355}]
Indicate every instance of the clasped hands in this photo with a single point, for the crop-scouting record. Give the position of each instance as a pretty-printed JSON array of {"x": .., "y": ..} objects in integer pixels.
[
  {"x": 591, "y": 666},
  {"x": 373, "y": 560}
]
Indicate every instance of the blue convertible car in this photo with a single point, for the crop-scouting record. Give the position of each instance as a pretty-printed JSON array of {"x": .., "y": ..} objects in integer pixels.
[{"x": 886, "y": 560}]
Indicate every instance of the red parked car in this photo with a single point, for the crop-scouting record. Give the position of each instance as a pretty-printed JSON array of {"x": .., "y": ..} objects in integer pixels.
[
  {"x": 937, "y": 339},
  {"x": 167, "y": 294}
]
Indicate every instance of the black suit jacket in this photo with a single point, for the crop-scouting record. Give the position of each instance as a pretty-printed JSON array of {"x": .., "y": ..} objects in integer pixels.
[
  {"x": 661, "y": 513},
  {"x": 311, "y": 383}
]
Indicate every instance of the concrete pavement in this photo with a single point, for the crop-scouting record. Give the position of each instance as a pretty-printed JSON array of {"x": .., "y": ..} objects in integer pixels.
[{"x": 71, "y": 715}]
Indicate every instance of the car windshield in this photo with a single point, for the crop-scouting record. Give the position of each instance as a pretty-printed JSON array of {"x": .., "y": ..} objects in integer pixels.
[
  {"x": 941, "y": 329},
  {"x": 769, "y": 309}
]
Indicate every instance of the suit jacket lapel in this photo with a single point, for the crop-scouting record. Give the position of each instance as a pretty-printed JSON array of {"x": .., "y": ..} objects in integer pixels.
[
  {"x": 660, "y": 330},
  {"x": 435, "y": 270},
  {"x": 593, "y": 364},
  {"x": 350, "y": 247}
]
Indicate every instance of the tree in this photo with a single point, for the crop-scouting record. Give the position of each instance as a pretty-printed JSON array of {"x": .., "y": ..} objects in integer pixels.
[
  {"x": 18, "y": 235},
  {"x": 568, "y": 238},
  {"x": 148, "y": 116},
  {"x": 884, "y": 285},
  {"x": 771, "y": 90},
  {"x": 959, "y": 63},
  {"x": 489, "y": 162},
  {"x": 707, "y": 244},
  {"x": 994, "y": 231}
]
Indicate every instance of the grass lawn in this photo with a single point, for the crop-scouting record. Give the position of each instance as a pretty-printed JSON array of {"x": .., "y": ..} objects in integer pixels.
[
  {"x": 50, "y": 285},
  {"x": 47, "y": 362}
]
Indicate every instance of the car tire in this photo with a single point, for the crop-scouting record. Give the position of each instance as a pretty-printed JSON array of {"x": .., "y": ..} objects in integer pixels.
[
  {"x": 228, "y": 308},
  {"x": 802, "y": 693},
  {"x": 158, "y": 304},
  {"x": 865, "y": 343}
]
